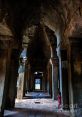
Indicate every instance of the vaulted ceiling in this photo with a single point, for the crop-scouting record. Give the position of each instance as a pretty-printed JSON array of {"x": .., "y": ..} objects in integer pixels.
[
  {"x": 21, "y": 14},
  {"x": 25, "y": 17}
]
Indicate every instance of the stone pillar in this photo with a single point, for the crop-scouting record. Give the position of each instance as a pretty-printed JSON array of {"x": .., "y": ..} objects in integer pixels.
[
  {"x": 59, "y": 38},
  {"x": 43, "y": 82},
  {"x": 10, "y": 79},
  {"x": 54, "y": 78},
  {"x": 25, "y": 79},
  {"x": 28, "y": 81},
  {"x": 65, "y": 79},
  {"x": 13, "y": 76},
  {"x": 55, "y": 63},
  {"x": 20, "y": 87},
  {"x": 7, "y": 102},
  {"x": 6, "y": 97},
  {"x": 71, "y": 103},
  {"x": 50, "y": 79},
  {"x": 20, "y": 81},
  {"x": 5, "y": 56},
  {"x": 46, "y": 81},
  {"x": 3, "y": 60}
]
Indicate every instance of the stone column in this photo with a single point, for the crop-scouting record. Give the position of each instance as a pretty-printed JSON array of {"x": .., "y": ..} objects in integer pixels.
[
  {"x": 49, "y": 79},
  {"x": 71, "y": 103},
  {"x": 28, "y": 75},
  {"x": 3, "y": 60},
  {"x": 54, "y": 78},
  {"x": 6, "y": 97},
  {"x": 7, "y": 80},
  {"x": 45, "y": 81},
  {"x": 25, "y": 79},
  {"x": 10, "y": 80},
  {"x": 13, "y": 76},
  {"x": 65, "y": 79},
  {"x": 52, "y": 67},
  {"x": 20, "y": 87},
  {"x": 20, "y": 81},
  {"x": 55, "y": 63},
  {"x": 59, "y": 38}
]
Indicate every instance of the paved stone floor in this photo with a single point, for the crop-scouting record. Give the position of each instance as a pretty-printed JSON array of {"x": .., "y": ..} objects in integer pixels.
[
  {"x": 37, "y": 95},
  {"x": 39, "y": 104},
  {"x": 36, "y": 108},
  {"x": 32, "y": 113}
]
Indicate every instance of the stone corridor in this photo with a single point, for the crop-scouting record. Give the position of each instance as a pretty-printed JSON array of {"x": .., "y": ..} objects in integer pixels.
[{"x": 40, "y": 58}]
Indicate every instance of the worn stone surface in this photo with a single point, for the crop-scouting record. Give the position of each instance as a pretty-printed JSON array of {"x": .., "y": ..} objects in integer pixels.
[
  {"x": 20, "y": 85},
  {"x": 33, "y": 113},
  {"x": 54, "y": 14},
  {"x": 42, "y": 105},
  {"x": 2, "y": 78}
]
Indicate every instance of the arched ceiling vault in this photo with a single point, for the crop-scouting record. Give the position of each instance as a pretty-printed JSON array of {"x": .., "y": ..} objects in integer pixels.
[
  {"x": 63, "y": 15},
  {"x": 38, "y": 49},
  {"x": 23, "y": 18}
]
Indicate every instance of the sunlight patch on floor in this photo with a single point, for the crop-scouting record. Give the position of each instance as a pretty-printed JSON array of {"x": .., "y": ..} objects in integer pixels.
[{"x": 46, "y": 104}]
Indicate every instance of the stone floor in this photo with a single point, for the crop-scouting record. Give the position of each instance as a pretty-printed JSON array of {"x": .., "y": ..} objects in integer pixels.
[
  {"x": 40, "y": 108},
  {"x": 39, "y": 104},
  {"x": 37, "y": 95},
  {"x": 32, "y": 113},
  {"x": 36, "y": 107}
]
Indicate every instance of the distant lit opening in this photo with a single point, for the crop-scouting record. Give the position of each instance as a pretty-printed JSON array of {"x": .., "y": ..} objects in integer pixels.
[{"x": 37, "y": 84}]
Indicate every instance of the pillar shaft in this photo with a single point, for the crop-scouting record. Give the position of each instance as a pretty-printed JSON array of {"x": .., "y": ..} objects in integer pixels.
[
  {"x": 20, "y": 82},
  {"x": 59, "y": 38},
  {"x": 20, "y": 87},
  {"x": 65, "y": 79},
  {"x": 52, "y": 81},
  {"x": 49, "y": 79},
  {"x": 3, "y": 60},
  {"x": 71, "y": 104},
  {"x": 54, "y": 78},
  {"x": 5, "y": 72},
  {"x": 13, "y": 76}
]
